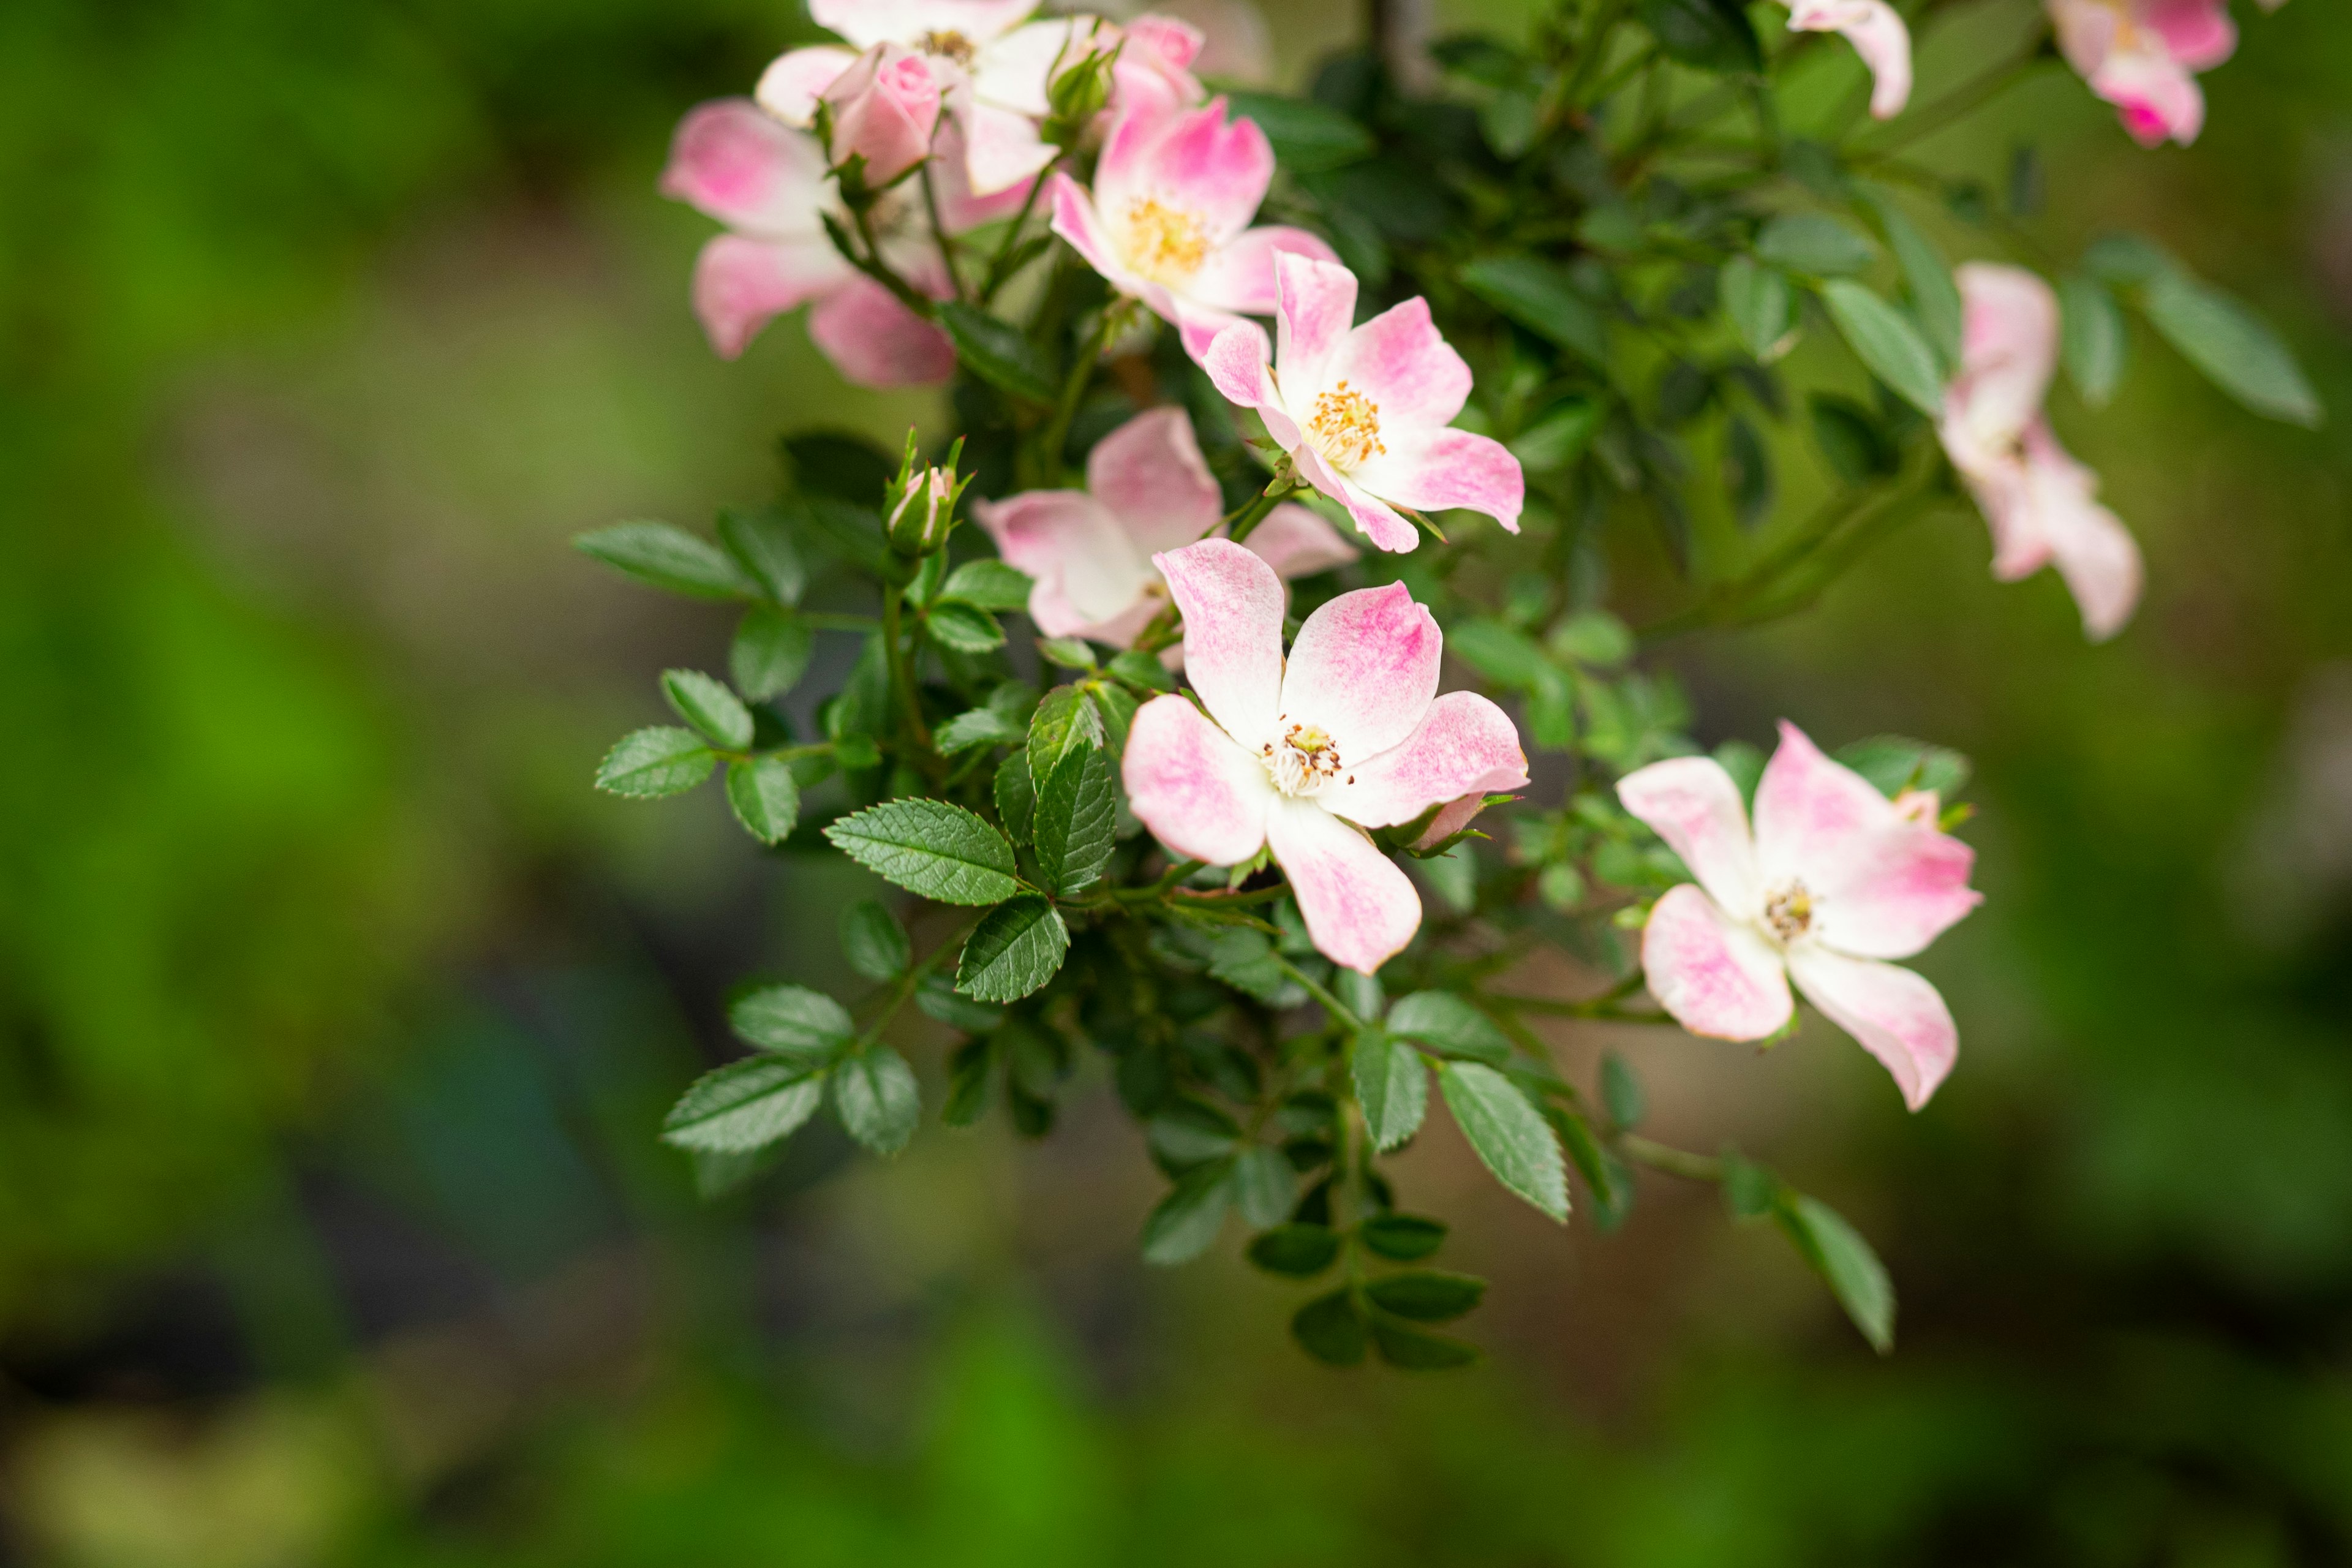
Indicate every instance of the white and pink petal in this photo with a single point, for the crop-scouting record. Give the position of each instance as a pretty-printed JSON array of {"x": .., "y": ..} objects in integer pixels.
[
  {"x": 1898, "y": 1017},
  {"x": 1364, "y": 669},
  {"x": 1715, "y": 974},
  {"x": 1360, "y": 910},
  {"x": 1199, "y": 792}
]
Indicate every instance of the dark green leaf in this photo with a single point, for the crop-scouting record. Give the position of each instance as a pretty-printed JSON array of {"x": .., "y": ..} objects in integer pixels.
[
  {"x": 1392, "y": 1084},
  {"x": 1189, "y": 1132},
  {"x": 765, "y": 797},
  {"x": 1427, "y": 1295},
  {"x": 978, "y": 727},
  {"x": 1413, "y": 1350},
  {"x": 968, "y": 1079},
  {"x": 1510, "y": 1136},
  {"x": 957, "y": 625},
  {"x": 996, "y": 351},
  {"x": 1850, "y": 438},
  {"x": 876, "y": 1097},
  {"x": 1559, "y": 437},
  {"x": 1935, "y": 297},
  {"x": 1503, "y": 654},
  {"x": 771, "y": 653},
  {"x": 2127, "y": 258},
  {"x": 1265, "y": 1186},
  {"x": 1016, "y": 797},
  {"x": 1116, "y": 706},
  {"x": 2093, "y": 341},
  {"x": 1749, "y": 1191},
  {"x": 709, "y": 707},
  {"x": 648, "y": 764},
  {"x": 841, "y": 466},
  {"x": 718, "y": 1172},
  {"x": 1816, "y": 244},
  {"x": 744, "y": 1105},
  {"x": 1446, "y": 1023},
  {"x": 1064, "y": 723},
  {"x": 1402, "y": 1237},
  {"x": 762, "y": 546},
  {"x": 1331, "y": 1329},
  {"x": 669, "y": 558},
  {"x": 850, "y": 530},
  {"x": 937, "y": 997},
  {"x": 1759, "y": 304},
  {"x": 1709, "y": 34},
  {"x": 874, "y": 942},
  {"x": 1837, "y": 1251},
  {"x": 1144, "y": 670},
  {"x": 2235, "y": 348},
  {"x": 1621, "y": 1091},
  {"x": 991, "y": 584},
  {"x": 1296, "y": 1251},
  {"x": 1592, "y": 637},
  {"x": 1894, "y": 764},
  {"x": 1307, "y": 137},
  {"x": 1747, "y": 473},
  {"x": 791, "y": 1019},
  {"x": 1244, "y": 959},
  {"x": 1886, "y": 342},
  {"x": 1186, "y": 1222},
  {"x": 931, "y": 848},
  {"x": 1017, "y": 947},
  {"x": 1069, "y": 653},
  {"x": 1540, "y": 297},
  {"x": 1076, "y": 820}
]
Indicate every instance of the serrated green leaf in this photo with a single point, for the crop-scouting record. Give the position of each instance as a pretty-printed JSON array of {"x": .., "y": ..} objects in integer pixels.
[
  {"x": 1509, "y": 1135},
  {"x": 668, "y": 558},
  {"x": 1016, "y": 948},
  {"x": 1076, "y": 817},
  {"x": 878, "y": 1099},
  {"x": 1116, "y": 705},
  {"x": 1815, "y": 244},
  {"x": 977, "y": 727},
  {"x": 1540, "y": 297},
  {"x": 1840, "y": 1254},
  {"x": 989, "y": 585},
  {"x": 874, "y": 942},
  {"x": 1444, "y": 1022},
  {"x": 1244, "y": 959},
  {"x": 1886, "y": 342},
  {"x": 1064, "y": 723},
  {"x": 999, "y": 354},
  {"x": 2093, "y": 341},
  {"x": 1758, "y": 302},
  {"x": 1392, "y": 1086},
  {"x": 930, "y": 847},
  {"x": 765, "y": 797},
  {"x": 770, "y": 653},
  {"x": 709, "y": 707},
  {"x": 791, "y": 1019},
  {"x": 1016, "y": 797},
  {"x": 963, "y": 628},
  {"x": 1265, "y": 1186},
  {"x": 1620, "y": 1092},
  {"x": 1308, "y": 137},
  {"x": 762, "y": 546},
  {"x": 1402, "y": 1237},
  {"x": 1144, "y": 670},
  {"x": 1296, "y": 1252},
  {"x": 1068, "y": 653},
  {"x": 744, "y": 1105},
  {"x": 1332, "y": 1329},
  {"x": 1709, "y": 34},
  {"x": 1427, "y": 1295},
  {"x": 646, "y": 764},
  {"x": 1410, "y": 1349},
  {"x": 1750, "y": 1190},
  {"x": 1185, "y": 1222},
  {"x": 2236, "y": 350}
]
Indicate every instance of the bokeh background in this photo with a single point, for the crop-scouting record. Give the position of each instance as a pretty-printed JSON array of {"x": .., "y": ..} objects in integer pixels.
[{"x": 337, "y": 1013}]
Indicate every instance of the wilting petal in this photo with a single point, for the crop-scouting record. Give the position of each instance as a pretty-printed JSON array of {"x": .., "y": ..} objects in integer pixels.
[
  {"x": 1464, "y": 748},
  {"x": 2197, "y": 34},
  {"x": 1715, "y": 975},
  {"x": 1898, "y": 1018},
  {"x": 736, "y": 164},
  {"x": 1435, "y": 471},
  {"x": 741, "y": 284},
  {"x": 1398, "y": 361},
  {"x": 1150, "y": 474},
  {"x": 1231, "y": 605},
  {"x": 792, "y": 83},
  {"x": 1457, "y": 816},
  {"x": 1318, "y": 309},
  {"x": 1296, "y": 542},
  {"x": 1693, "y": 804},
  {"x": 1364, "y": 669},
  {"x": 875, "y": 340},
  {"x": 1239, "y": 276},
  {"x": 1877, "y": 35},
  {"x": 1199, "y": 793},
  {"x": 1360, "y": 910},
  {"x": 869, "y": 21},
  {"x": 1086, "y": 564},
  {"x": 2057, "y": 516}
]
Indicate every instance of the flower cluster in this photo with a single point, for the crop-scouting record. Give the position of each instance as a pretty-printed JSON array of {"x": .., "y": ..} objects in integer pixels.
[{"x": 2144, "y": 56}]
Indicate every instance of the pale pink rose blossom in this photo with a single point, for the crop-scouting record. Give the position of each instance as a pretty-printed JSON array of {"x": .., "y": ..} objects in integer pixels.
[
  {"x": 1300, "y": 759},
  {"x": 992, "y": 71},
  {"x": 1153, "y": 73},
  {"x": 1877, "y": 35},
  {"x": 1836, "y": 879},
  {"x": 884, "y": 110},
  {"x": 2041, "y": 504},
  {"x": 1365, "y": 412},
  {"x": 2143, "y": 57},
  {"x": 767, "y": 183},
  {"x": 1168, "y": 220},
  {"x": 1148, "y": 491}
]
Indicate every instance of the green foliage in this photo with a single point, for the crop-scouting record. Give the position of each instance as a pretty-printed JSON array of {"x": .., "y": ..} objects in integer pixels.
[
  {"x": 1392, "y": 1084},
  {"x": 744, "y": 1105},
  {"x": 1886, "y": 342},
  {"x": 671, "y": 559},
  {"x": 876, "y": 1097},
  {"x": 874, "y": 942},
  {"x": 1510, "y": 1136},
  {"x": 1015, "y": 949},
  {"x": 646, "y": 764},
  {"x": 930, "y": 849},
  {"x": 765, "y": 797}
]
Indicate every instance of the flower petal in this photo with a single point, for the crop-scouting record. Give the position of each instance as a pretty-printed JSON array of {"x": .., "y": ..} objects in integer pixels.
[
  {"x": 2197, "y": 34},
  {"x": 2008, "y": 351},
  {"x": 1360, "y": 910},
  {"x": 1085, "y": 562},
  {"x": 1464, "y": 746},
  {"x": 1877, "y": 34},
  {"x": 1398, "y": 361},
  {"x": 741, "y": 284},
  {"x": 1898, "y": 1018},
  {"x": 2057, "y": 516},
  {"x": 1382, "y": 524},
  {"x": 1296, "y": 542},
  {"x": 1364, "y": 669},
  {"x": 733, "y": 163},
  {"x": 1016, "y": 71},
  {"x": 1077, "y": 220},
  {"x": 1200, "y": 793},
  {"x": 961, "y": 210},
  {"x": 1239, "y": 275},
  {"x": 1693, "y": 804},
  {"x": 875, "y": 340},
  {"x": 1212, "y": 169},
  {"x": 1232, "y": 605},
  {"x": 1315, "y": 308},
  {"x": 1001, "y": 149},
  {"x": 1811, "y": 812},
  {"x": 1150, "y": 474},
  {"x": 1715, "y": 974},
  {"x": 1436, "y": 471},
  {"x": 792, "y": 82},
  {"x": 869, "y": 21}
]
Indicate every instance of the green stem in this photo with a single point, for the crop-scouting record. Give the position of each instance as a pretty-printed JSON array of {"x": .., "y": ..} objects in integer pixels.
[
  {"x": 997, "y": 275},
  {"x": 902, "y": 680},
  {"x": 1162, "y": 888},
  {"x": 1672, "y": 1161},
  {"x": 1073, "y": 386},
  {"x": 938, "y": 230},
  {"x": 1227, "y": 901},
  {"x": 831, "y": 622},
  {"x": 1280, "y": 489},
  {"x": 1961, "y": 101},
  {"x": 1331, "y": 1005},
  {"x": 904, "y": 987},
  {"x": 874, "y": 266}
]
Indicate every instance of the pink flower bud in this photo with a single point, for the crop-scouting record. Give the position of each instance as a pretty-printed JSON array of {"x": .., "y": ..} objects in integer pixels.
[{"x": 883, "y": 110}]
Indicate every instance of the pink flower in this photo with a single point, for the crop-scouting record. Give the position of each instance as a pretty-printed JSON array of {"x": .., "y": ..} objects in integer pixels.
[
  {"x": 1300, "y": 759},
  {"x": 883, "y": 109},
  {"x": 992, "y": 72},
  {"x": 1153, "y": 74},
  {"x": 767, "y": 183},
  {"x": 1168, "y": 220},
  {"x": 1836, "y": 879},
  {"x": 1877, "y": 35},
  {"x": 1364, "y": 411},
  {"x": 2041, "y": 504},
  {"x": 2142, "y": 56},
  {"x": 1091, "y": 551}
]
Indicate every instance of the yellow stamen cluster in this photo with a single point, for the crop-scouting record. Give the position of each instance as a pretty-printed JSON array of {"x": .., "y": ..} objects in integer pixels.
[
  {"x": 949, "y": 45},
  {"x": 1789, "y": 910},
  {"x": 1165, "y": 243},
  {"x": 1303, "y": 760},
  {"x": 1346, "y": 426}
]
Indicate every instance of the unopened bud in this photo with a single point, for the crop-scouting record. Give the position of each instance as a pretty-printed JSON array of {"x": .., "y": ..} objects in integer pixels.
[
  {"x": 922, "y": 504},
  {"x": 1080, "y": 93}
]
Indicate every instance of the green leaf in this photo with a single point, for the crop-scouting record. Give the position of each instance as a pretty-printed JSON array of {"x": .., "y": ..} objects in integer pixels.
[
  {"x": 959, "y": 626},
  {"x": 1392, "y": 1086},
  {"x": 743, "y": 1105},
  {"x": 874, "y": 942},
  {"x": 771, "y": 653},
  {"x": 1850, "y": 438},
  {"x": 930, "y": 847},
  {"x": 1758, "y": 302},
  {"x": 1116, "y": 706},
  {"x": 977, "y": 727},
  {"x": 1594, "y": 638},
  {"x": 1296, "y": 1252},
  {"x": 1560, "y": 437},
  {"x": 2094, "y": 338},
  {"x": 2127, "y": 258},
  {"x": 1935, "y": 297},
  {"x": 1886, "y": 342},
  {"x": 1144, "y": 670},
  {"x": 842, "y": 466},
  {"x": 1508, "y": 1133},
  {"x": 1620, "y": 1092},
  {"x": 1413, "y": 1350},
  {"x": 1601, "y": 1173},
  {"x": 1244, "y": 959},
  {"x": 1264, "y": 1185},
  {"x": 936, "y": 998},
  {"x": 1750, "y": 1190},
  {"x": 850, "y": 530},
  {"x": 646, "y": 764},
  {"x": 1332, "y": 1329},
  {"x": 1446, "y": 1023},
  {"x": 1077, "y": 816},
  {"x": 991, "y": 584},
  {"x": 1747, "y": 473},
  {"x": 1894, "y": 764},
  {"x": 709, "y": 707},
  {"x": 762, "y": 546},
  {"x": 1709, "y": 34},
  {"x": 969, "y": 1076},
  {"x": 2235, "y": 349},
  {"x": 669, "y": 558},
  {"x": 1064, "y": 723},
  {"x": 1308, "y": 137},
  {"x": 1186, "y": 1222},
  {"x": 1069, "y": 653},
  {"x": 1189, "y": 1132},
  {"x": 1017, "y": 947},
  {"x": 1837, "y": 1251},
  {"x": 717, "y": 1173},
  {"x": 1016, "y": 797},
  {"x": 1427, "y": 1295},
  {"x": 1503, "y": 654},
  {"x": 878, "y": 1099},
  {"x": 1815, "y": 244},
  {"x": 1402, "y": 1237},
  {"x": 791, "y": 1019},
  {"x": 765, "y": 797},
  {"x": 1540, "y": 297},
  {"x": 997, "y": 352}
]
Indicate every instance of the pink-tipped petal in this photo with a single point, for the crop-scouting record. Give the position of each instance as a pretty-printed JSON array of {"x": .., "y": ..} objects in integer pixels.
[
  {"x": 1231, "y": 605},
  {"x": 1877, "y": 35},
  {"x": 741, "y": 284},
  {"x": 1199, "y": 793},
  {"x": 1464, "y": 748},
  {"x": 960, "y": 209},
  {"x": 1087, "y": 568},
  {"x": 1693, "y": 804},
  {"x": 1399, "y": 360},
  {"x": 1211, "y": 169},
  {"x": 1316, "y": 311},
  {"x": 1360, "y": 910},
  {"x": 1715, "y": 975},
  {"x": 2198, "y": 33},
  {"x": 1364, "y": 669},
  {"x": 792, "y": 83},
  {"x": 2089, "y": 544},
  {"x": 2008, "y": 351},
  {"x": 1001, "y": 148},
  {"x": 1296, "y": 542},
  {"x": 1437, "y": 470},
  {"x": 1236, "y": 365},
  {"x": 1810, "y": 810},
  {"x": 1077, "y": 220},
  {"x": 2157, "y": 98},
  {"x": 1382, "y": 524},
  {"x": 732, "y": 163},
  {"x": 1150, "y": 474},
  {"x": 1239, "y": 276},
  {"x": 1457, "y": 816},
  {"x": 875, "y": 340},
  {"x": 1898, "y": 1018}
]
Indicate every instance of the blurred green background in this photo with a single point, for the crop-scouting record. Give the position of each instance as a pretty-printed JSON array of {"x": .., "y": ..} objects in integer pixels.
[{"x": 338, "y": 1011}]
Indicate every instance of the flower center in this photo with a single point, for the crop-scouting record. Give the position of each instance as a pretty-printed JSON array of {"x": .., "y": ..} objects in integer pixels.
[
  {"x": 1303, "y": 761},
  {"x": 1789, "y": 910},
  {"x": 949, "y": 45},
  {"x": 1166, "y": 245},
  {"x": 1346, "y": 426}
]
